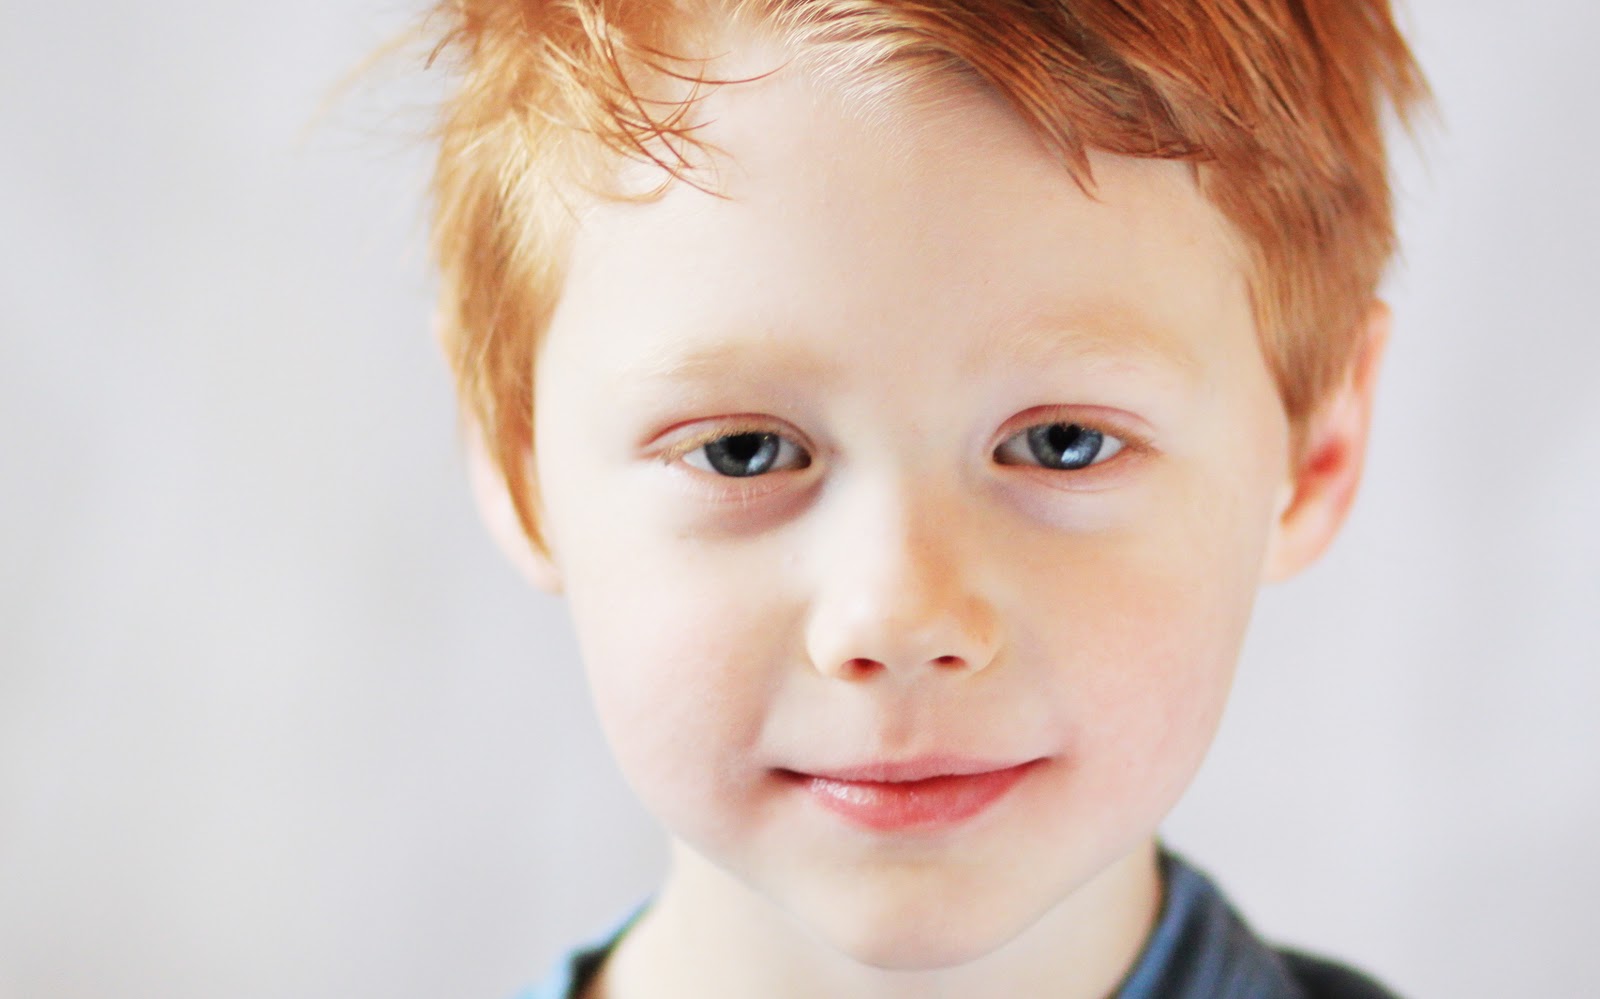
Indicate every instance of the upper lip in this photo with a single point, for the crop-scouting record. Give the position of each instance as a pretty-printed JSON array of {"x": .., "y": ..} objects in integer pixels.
[{"x": 920, "y": 768}]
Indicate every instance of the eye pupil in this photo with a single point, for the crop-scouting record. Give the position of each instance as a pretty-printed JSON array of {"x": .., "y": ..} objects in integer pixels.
[
  {"x": 1064, "y": 445},
  {"x": 743, "y": 454}
]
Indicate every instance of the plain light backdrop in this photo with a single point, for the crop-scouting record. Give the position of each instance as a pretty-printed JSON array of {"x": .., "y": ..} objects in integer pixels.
[{"x": 277, "y": 721}]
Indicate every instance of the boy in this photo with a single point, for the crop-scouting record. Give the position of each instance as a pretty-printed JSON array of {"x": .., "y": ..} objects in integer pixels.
[{"x": 910, "y": 398}]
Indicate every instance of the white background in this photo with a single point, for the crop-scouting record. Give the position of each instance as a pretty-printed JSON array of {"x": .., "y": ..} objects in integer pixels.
[{"x": 276, "y": 721}]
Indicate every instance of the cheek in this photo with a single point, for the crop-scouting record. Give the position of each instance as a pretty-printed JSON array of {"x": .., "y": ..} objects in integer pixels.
[
  {"x": 1162, "y": 666},
  {"x": 681, "y": 667},
  {"x": 1164, "y": 613},
  {"x": 678, "y": 649}
]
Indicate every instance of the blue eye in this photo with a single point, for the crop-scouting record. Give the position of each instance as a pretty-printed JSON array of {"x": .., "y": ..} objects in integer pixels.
[
  {"x": 746, "y": 454},
  {"x": 1061, "y": 446}
]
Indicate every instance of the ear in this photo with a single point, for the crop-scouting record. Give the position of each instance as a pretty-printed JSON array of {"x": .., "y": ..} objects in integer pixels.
[
  {"x": 500, "y": 516},
  {"x": 1327, "y": 471}
]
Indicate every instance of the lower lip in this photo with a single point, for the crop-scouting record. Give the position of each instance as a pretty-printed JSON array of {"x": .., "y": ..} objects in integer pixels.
[{"x": 936, "y": 802}]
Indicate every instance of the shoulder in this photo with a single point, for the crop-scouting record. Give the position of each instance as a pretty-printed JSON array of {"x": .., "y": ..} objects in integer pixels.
[
  {"x": 576, "y": 969},
  {"x": 1202, "y": 948},
  {"x": 1321, "y": 978},
  {"x": 571, "y": 975}
]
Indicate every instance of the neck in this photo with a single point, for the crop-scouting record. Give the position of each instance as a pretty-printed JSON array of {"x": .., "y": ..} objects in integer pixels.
[{"x": 709, "y": 936}]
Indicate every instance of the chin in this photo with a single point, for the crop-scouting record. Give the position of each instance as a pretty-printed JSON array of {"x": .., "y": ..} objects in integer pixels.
[
  {"x": 911, "y": 952},
  {"x": 913, "y": 932}
]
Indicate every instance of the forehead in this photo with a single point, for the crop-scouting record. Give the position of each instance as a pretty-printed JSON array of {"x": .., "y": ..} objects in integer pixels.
[{"x": 930, "y": 206}]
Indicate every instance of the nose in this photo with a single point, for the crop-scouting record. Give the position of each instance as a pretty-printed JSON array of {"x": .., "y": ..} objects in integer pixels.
[{"x": 899, "y": 592}]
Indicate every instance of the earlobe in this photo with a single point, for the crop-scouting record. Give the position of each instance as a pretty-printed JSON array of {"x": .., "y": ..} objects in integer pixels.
[
  {"x": 1322, "y": 484},
  {"x": 499, "y": 515}
]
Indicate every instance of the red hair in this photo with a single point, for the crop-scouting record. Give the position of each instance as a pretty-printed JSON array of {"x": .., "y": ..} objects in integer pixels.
[{"x": 1279, "y": 103}]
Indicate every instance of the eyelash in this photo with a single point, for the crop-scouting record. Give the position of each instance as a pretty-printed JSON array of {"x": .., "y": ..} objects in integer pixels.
[
  {"x": 1129, "y": 441},
  {"x": 1133, "y": 443},
  {"x": 687, "y": 447}
]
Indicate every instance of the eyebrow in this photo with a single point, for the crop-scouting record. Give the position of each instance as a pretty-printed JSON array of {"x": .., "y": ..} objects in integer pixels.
[
  {"x": 1116, "y": 340},
  {"x": 1107, "y": 336},
  {"x": 712, "y": 361}
]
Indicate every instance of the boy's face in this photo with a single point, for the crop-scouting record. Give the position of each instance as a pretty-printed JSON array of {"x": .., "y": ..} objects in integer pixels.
[{"x": 905, "y": 572}]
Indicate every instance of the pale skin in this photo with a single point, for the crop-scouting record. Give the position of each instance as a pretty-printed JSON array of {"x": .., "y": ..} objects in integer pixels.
[{"x": 892, "y": 308}]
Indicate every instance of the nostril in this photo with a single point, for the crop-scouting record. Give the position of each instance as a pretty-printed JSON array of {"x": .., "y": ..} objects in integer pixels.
[{"x": 862, "y": 667}]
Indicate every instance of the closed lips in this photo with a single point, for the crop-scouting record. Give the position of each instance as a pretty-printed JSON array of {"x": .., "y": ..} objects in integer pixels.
[{"x": 895, "y": 797}]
